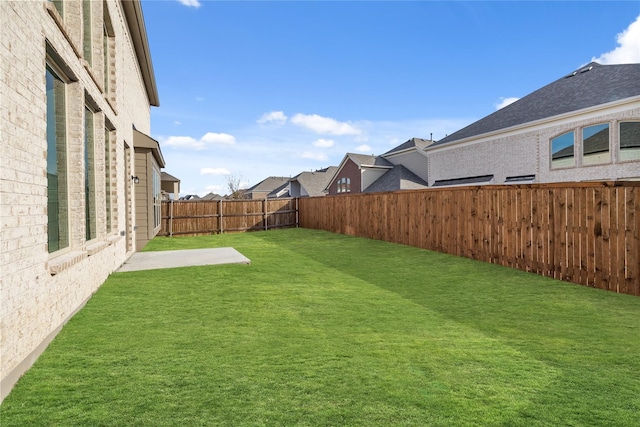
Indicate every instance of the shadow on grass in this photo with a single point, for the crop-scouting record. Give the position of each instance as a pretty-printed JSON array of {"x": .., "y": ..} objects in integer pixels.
[{"x": 588, "y": 338}]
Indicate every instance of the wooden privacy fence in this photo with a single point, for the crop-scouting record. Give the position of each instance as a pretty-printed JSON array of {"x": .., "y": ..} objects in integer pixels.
[
  {"x": 586, "y": 233},
  {"x": 196, "y": 217}
]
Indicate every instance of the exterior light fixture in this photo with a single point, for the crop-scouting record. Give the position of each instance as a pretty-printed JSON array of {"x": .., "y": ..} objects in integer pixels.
[{"x": 135, "y": 179}]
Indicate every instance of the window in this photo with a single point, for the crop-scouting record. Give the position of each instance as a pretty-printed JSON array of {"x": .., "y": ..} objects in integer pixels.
[
  {"x": 57, "y": 192},
  {"x": 595, "y": 144},
  {"x": 108, "y": 166},
  {"x": 87, "y": 44},
  {"x": 562, "y": 151},
  {"x": 108, "y": 57},
  {"x": 344, "y": 185},
  {"x": 629, "y": 141},
  {"x": 89, "y": 175}
]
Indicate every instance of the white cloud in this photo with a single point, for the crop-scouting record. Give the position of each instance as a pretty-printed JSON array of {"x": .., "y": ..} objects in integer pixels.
[
  {"x": 176, "y": 122},
  {"x": 190, "y": 3},
  {"x": 321, "y": 157},
  {"x": 218, "y": 138},
  {"x": 628, "y": 50},
  {"x": 214, "y": 171},
  {"x": 324, "y": 143},
  {"x": 203, "y": 143},
  {"x": 324, "y": 125},
  {"x": 276, "y": 117},
  {"x": 363, "y": 149},
  {"x": 505, "y": 101},
  {"x": 183, "y": 142}
]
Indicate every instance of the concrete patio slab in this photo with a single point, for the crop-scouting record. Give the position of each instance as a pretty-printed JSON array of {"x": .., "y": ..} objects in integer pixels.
[{"x": 182, "y": 258}]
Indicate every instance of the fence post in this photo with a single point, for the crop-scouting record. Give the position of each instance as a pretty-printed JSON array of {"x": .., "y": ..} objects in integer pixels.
[
  {"x": 265, "y": 218},
  {"x": 297, "y": 217},
  {"x": 171, "y": 218},
  {"x": 220, "y": 217}
]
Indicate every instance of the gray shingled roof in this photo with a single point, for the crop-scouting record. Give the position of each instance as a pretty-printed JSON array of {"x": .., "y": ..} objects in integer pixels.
[
  {"x": 315, "y": 182},
  {"x": 413, "y": 142},
  {"x": 269, "y": 184},
  {"x": 591, "y": 85},
  {"x": 398, "y": 178},
  {"x": 212, "y": 196},
  {"x": 368, "y": 160}
]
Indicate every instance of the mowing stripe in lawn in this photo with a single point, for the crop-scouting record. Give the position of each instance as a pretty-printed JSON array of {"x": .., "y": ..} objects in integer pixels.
[{"x": 323, "y": 329}]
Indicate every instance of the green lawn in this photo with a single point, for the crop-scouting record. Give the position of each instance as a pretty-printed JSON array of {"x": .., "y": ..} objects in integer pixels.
[{"x": 323, "y": 329}]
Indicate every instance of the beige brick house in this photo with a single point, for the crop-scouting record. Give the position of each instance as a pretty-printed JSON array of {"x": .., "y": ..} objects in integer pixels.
[{"x": 76, "y": 87}]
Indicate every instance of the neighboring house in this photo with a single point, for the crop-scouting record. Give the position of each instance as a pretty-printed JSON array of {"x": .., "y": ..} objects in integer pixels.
[
  {"x": 188, "y": 197},
  {"x": 170, "y": 185},
  {"x": 311, "y": 184},
  {"x": 261, "y": 190},
  {"x": 78, "y": 80},
  {"x": 401, "y": 168},
  {"x": 356, "y": 172},
  {"x": 305, "y": 184},
  {"x": 584, "y": 126}
]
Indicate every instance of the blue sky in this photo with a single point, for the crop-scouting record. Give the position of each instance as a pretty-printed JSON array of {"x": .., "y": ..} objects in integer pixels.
[{"x": 266, "y": 88}]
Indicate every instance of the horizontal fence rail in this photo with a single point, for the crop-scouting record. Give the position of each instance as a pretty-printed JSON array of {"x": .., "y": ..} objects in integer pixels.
[
  {"x": 585, "y": 233},
  {"x": 197, "y": 217}
]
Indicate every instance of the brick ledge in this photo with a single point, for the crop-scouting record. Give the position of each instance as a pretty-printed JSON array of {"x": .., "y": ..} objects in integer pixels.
[
  {"x": 65, "y": 261},
  {"x": 96, "y": 247}
]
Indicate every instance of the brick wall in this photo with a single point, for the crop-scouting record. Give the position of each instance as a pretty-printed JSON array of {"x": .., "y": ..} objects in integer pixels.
[
  {"x": 40, "y": 291},
  {"x": 349, "y": 170}
]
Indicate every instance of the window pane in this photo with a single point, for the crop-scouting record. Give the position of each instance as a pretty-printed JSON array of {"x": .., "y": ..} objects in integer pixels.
[
  {"x": 89, "y": 176},
  {"x": 86, "y": 22},
  {"x": 57, "y": 195},
  {"x": 630, "y": 141},
  {"x": 562, "y": 151},
  {"x": 105, "y": 55},
  {"x": 595, "y": 144}
]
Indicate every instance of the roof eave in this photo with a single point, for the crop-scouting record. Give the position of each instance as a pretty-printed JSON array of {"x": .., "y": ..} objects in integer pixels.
[
  {"x": 376, "y": 167},
  {"x": 405, "y": 151},
  {"x": 135, "y": 21}
]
